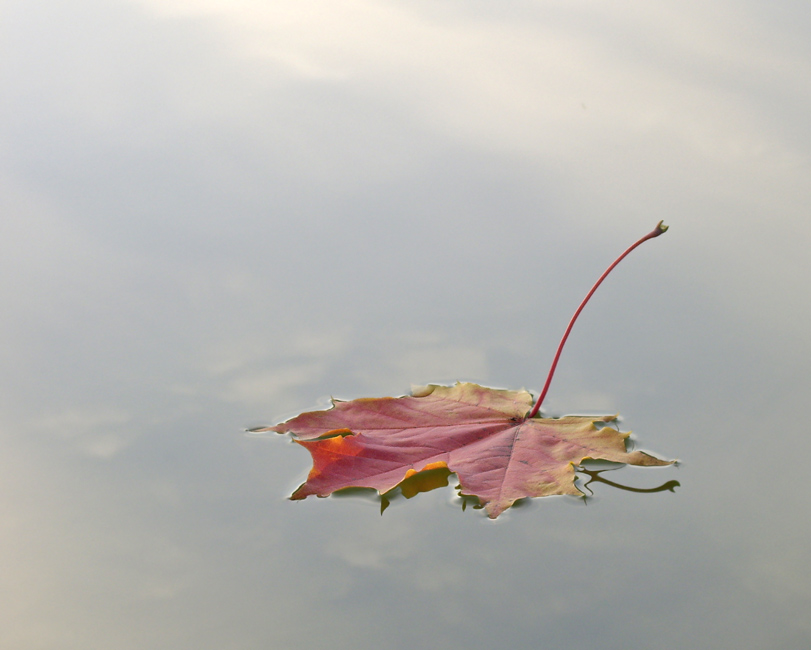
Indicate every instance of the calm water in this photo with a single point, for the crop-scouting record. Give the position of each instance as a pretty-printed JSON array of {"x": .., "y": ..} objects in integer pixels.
[{"x": 218, "y": 214}]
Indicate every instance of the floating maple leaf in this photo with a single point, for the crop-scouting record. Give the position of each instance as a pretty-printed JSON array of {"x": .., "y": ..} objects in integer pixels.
[
  {"x": 493, "y": 440},
  {"x": 483, "y": 435}
]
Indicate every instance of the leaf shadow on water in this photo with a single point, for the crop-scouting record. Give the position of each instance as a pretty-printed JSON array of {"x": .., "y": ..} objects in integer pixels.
[{"x": 433, "y": 479}]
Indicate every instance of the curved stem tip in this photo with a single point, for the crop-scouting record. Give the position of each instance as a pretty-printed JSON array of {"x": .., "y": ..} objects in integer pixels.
[{"x": 660, "y": 228}]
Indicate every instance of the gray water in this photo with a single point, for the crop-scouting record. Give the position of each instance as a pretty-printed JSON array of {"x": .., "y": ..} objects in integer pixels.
[{"x": 218, "y": 214}]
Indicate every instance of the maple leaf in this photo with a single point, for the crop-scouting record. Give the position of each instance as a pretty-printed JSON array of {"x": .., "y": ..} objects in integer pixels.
[
  {"x": 483, "y": 435},
  {"x": 493, "y": 440}
]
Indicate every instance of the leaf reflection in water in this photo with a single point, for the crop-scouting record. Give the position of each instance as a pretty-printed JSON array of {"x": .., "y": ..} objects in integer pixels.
[
  {"x": 595, "y": 475},
  {"x": 439, "y": 477}
]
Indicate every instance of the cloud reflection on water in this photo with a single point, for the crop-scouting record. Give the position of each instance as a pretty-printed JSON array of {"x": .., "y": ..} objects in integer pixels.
[{"x": 218, "y": 213}]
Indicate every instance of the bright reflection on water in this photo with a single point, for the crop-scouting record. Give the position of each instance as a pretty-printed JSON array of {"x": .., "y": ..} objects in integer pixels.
[{"x": 217, "y": 215}]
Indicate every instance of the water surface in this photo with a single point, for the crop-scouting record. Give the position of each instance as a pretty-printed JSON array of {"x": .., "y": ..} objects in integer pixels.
[{"x": 216, "y": 215}]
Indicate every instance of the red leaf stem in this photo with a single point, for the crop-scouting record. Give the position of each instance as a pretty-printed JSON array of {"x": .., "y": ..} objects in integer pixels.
[{"x": 660, "y": 228}]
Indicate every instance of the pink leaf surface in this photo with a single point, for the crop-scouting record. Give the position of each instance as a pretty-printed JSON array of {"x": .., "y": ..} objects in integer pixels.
[{"x": 483, "y": 435}]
